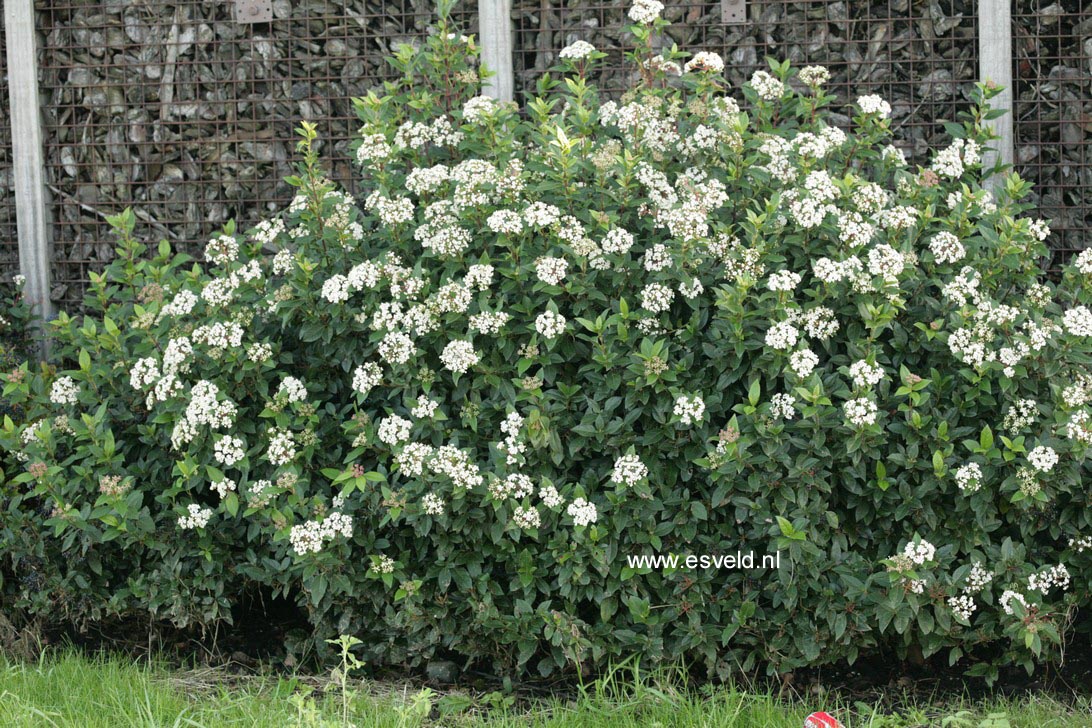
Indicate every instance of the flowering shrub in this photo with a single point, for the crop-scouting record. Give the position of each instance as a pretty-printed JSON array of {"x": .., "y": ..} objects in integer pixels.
[{"x": 697, "y": 320}]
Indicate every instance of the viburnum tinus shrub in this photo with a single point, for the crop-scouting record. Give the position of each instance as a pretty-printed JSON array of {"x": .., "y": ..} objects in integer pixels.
[{"x": 698, "y": 320}]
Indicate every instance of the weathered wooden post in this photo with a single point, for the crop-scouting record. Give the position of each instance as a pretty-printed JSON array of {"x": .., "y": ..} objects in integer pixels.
[
  {"x": 995, "y": 66},
  {"x": 495, "y": 23},
  {"x": 31, "y": 201}
]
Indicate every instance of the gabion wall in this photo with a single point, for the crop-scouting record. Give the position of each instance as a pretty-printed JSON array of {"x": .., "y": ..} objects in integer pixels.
[
  {"x": 188, "y": 116},
  {"x": 1052, "y": 75},
  {"x": 921, "y": 56},
  {"x": 179, "y": 111},
  {"x": 9, "y": 243}
]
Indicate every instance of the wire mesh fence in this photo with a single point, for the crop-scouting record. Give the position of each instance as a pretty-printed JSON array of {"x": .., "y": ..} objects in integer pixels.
[
  {"x": 922, "y": 57},
  {"x": 9, "y": 243},
  {"x": 1052, "y": 76},
  {"x": 188, "y": 116}
]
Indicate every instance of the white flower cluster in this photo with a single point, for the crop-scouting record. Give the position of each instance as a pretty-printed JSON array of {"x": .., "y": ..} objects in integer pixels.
[
  {"x": 865, "y": 374},
  {"x": 1078, "y": 321},
  {"x": 766, "y": 86},
  {"x": 629, "y": 470},
  {"x": 514, "y": 485},
  {"x": 432, "y": 504},
  {"x": 645, "y": 12},
  {"x": 222, "y": 249},
  {"x": 803, "y": 362},
  {"x": 1043, "y": 458},
  {"x": 704, "y": 62},
  {"x": 919, "y": 552},
  {"x": 196, "y": 517},
  {"x": 783, "y": 406},
  {"x": 1044, "y": 581},
  {"x": 954, "y": 159},
  {"x": 282, "y": 447},
  {"x": 1021, "y": 415},
  {"x": 1008, "y": 597},
  {"x": 223, "y": 487},
  {"x": 814, "y": 76},
  {"x": 576, "y": 51},
  {"x": 513, "y": 445},
  {"x": 550, "y": 497},
  {"x": 582, "y": 512},
  {"x": 978, "y": 578},
  {"x": 458, "y": 356},
  {"x": 946, "y": 248},
  {"x": 873, "y": 104},
  {"x": 962, "y": 606},
  {"x": 689, "y": 409},
  {"x": 527, "y": 517},
  {"x": 292, "y": 390},
  {"x": 455, "y": 464},
  {"x": 860, "y": 412},
  {"x": 64, "y": 391},
  {"x": 394, "y": 429},
  {"x": 550, "y": 324},
  {"x": 229, "y": 450},
  {"x": 311, "y": 536},
  {"x": 969, "y": 477}
]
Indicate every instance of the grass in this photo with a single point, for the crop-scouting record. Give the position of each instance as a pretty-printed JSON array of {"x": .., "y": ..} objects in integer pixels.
[{"x": 67, "y": 689}]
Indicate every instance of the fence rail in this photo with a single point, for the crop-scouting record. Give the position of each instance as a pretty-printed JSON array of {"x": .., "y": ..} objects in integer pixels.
[{"x": 187, "y": 115}]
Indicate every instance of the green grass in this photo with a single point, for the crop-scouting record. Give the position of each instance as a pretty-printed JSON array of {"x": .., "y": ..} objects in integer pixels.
[{"x": 67, "y": 689}]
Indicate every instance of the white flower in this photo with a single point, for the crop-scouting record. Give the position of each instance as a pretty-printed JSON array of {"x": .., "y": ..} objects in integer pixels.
[
  {"x": 962, "y": 606},
  {"x": 865, "y": 374},
  {"x": 783, "y": 406},
  {"x": 1078, "y": 321},
  {"x": 282, "y": 447},
  {"x": 222, "y": 249},
  {"x": 969, "y": 477},
  {"x": 782, "y": 336},
  {"x": 645, "y": 12},
  {"x": 550, "y": 324},
  {"x": 977, "y": 579},
  {"x": 366, "y": 377},
  {"x": 229, "y": 450},
  {"x": 628, "y": 470},
  {"x": 860, "y": 412},
  {"x": 616, "y": 242},
  {"x": 551, "y": 270},
  {"x": 577, "y": 51},
  {"x": 1043, "y": 458},
  {"x": 459, "y": 356},
  {"x": 919, "y": 552},
  {"x": 196, "y": 517},
  {"x": 946, "y": 248},
  {"x": 432, "y": 504},
  {"x": 223, "y": 487},
  {"x": 527, "y": 517},
  {"x": 292, "y": 390},
  {"x": 803, "y": 362},
  {"x": 1007, "y": 598},
  {"x": 394, "y": 429},
  {"x": 766, "y": 86},
  {"x": 689, "y": 409},
  {"x": 1055, "y": 576},
  {"x": 550, "y": 497},
  {"x": 145, "y": 372},
  {"x": 582, "y": 512},
  {"x": 505, "y": 222},
  {"x": 704, "y": 61},
  {"x": 814, "y": 76},
  {"x": 873, "y": 104},
  {"x": 783, "y": 281},
  {"x": 64, "y": 391},
  {"x": 336, "y": 289},
  {"x": 424, "y": 408},
  {"x": 656, "y": 297}
]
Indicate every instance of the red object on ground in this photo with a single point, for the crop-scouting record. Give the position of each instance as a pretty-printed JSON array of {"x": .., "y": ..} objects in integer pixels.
[{"x": 821, "y": 720}]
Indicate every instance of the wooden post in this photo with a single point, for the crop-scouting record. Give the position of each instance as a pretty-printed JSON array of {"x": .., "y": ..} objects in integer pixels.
[
  {"x": 31, "y": 206},
  {"x": 995, "y": 65},
  {"x": 495, "y": 22}
]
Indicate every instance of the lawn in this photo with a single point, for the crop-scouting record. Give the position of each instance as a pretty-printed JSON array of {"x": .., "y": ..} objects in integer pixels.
[{"x": 66, "y": 689}]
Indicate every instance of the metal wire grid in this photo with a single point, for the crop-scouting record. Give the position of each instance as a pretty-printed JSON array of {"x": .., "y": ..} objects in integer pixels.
[
  {"x": 1052, "y": 74},
  {"x": 9, "y": 242},
  {"x": 921, "y": 56},
  {"x": 184, "y": 114}
]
